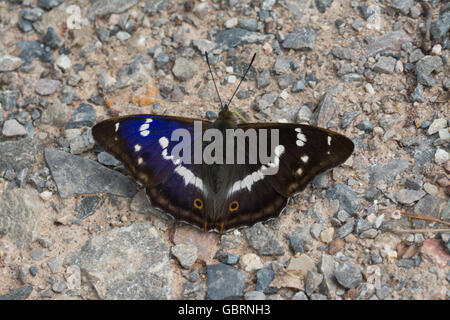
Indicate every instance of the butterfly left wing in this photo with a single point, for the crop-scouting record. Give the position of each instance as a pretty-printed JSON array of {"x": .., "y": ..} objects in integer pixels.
[
  {"x": 260, "y": 191},
  {"x": 144, "y": 144}
]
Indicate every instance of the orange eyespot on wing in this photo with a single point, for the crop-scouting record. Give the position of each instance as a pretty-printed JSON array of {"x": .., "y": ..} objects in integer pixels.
[
  {"x": 233, "y": 206},
  {"x": 198, "y": 203}
]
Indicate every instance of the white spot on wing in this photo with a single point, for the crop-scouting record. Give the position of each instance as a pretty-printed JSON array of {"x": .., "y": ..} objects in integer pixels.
[
  {"x": 149, "y": 120},
  {"x": 163, "y": 142},
  {"x": 117, "y": 125},
  {"x": 137, "y": 147},
  {"x": 145, "y": 133},
  {"x": 143, "y": 127},
  {"x": 329, "y": 140},
  {"x": 140, "y": 160},
  {"x": 304, "y": 158},
  {"x": 299, "y": 171},
  {"x": 301, "y": 138}
]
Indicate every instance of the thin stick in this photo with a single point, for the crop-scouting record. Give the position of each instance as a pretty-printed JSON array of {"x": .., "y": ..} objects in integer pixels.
[
  {"x": 245, "y": 73},
  {"x": 214, "y": 81},
  {"x": 422, "y": 217},
  {"x": 419, "y": 230}
]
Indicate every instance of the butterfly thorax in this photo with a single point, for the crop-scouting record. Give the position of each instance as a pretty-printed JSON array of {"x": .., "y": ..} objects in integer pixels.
[{"x": 225, "y": 120}]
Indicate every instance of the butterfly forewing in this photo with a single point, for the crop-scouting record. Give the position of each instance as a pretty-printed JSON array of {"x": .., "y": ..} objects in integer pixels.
[
  {"x": 307, "y": 152},
  {"x": 144, "y": 144}
]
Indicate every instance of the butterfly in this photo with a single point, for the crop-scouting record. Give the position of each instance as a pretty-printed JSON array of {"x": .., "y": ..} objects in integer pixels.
[{"x": 220, "y": 195}]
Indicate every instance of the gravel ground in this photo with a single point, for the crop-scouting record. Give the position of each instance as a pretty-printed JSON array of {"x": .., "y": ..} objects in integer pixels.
[{"x": 74, "y": 225}]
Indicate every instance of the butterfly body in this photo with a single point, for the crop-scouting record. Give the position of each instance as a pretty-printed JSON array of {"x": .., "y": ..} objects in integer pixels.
[{"x": 219, "y": 196}]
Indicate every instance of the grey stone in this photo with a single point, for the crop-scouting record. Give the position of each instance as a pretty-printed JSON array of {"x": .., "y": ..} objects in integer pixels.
[
  {"x": 84, "y": 116},
  {"x": 59, "y": 286},
  {"x": 82, "y": 143},
  {"x": 390, "y": 41},
  {"x": 428, "y": 206},
  {"x": 237, "y": 36},
  {"x": 249, "y": 24},
  {"x": 299, "y": 296},
  {"x": 8, "y": 99},
  {"x": 224, "y": 281},
  {"x": 441, "y": 26},
  {"x": 312, "y": 281},
  {"x": 365, "y": 126},
  {"x": 161, "y": 60},
  {"x": 186, "y": 254},
  {"x": 18, "y": 294},
  {"x": 285, "y": 80},
  {"x": 346, "y": 229},
  {"x": 282, "y": 65},
  {"x": 19, "y": 216},
  {"x": 194, "y": 290},
  {"x": 445, "y": 215},
  {"x": 12, "y": 128},
  {"x": 49, "y": 4},
  {"x": 326, "y": 110},
  {"x": 348, "y": 275},
  {"x": 385, "y": 65},
  {"x": 386, "y": 171},
  {"x": 264, "y": 277},
  {"x": 406, "y": 196},
  {"x": 417, "y": 94},
  {"x": 327, "y": 267},
  {"x": 87, "y": 206},
  {"x": 429, "y": 64},
  {"x": 322, "y": 5},
  {"x": 184, "y": 69},
  {"x": 51, "y": 39},
  {"x": 298, "y": 86},
  {"x": 416, "y": 55},
  {"x": 106, "y": 7},
  {"x": 405, "y": 263},
  {"x": 9, "y": 63},
  {"x": 53, "y": 264},
  {"x": 137, "y": 260},
  {"x": 32, "y": 14},
  {"x": 76, "y": 175},
  {"x": 369, "y": 234},
  {"x": 425, "y": 80},
  {"x": 264, "y": 241},
  {"x": 254, "y": 295},
  {"x": 301, "y": 39},
  {"x": 108, "y": 159},
  {"x": 263, "y": 79},
  {"x": 265, "y": 101},
  {"x": 57, "y": 114},
  {"x": 47, "y": 87},
  {"x": 300, "y": 239},
  {"x": 32, "y": 50},
  {"x": 348, "y": 118},
  {"x": 402, "y": 6},
  {"x": 38, "y": 254},
  {"x": 204, "y": 45},
  {"x": 344, "y": 53},
  {"x": 348, "y": 199}
]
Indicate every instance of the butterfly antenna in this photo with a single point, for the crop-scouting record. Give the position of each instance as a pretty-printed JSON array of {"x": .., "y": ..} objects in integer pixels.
[
  {"x": 243, "y": 77},
  {"x": 214, "y": 81}
]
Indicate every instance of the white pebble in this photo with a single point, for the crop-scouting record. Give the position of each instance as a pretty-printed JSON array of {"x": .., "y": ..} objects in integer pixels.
[
  {"x": 232, "y": 79},
  {"x": 45, "y": 195},
  {"x": 441, "y": 156},
  {"x": 369, "y": 89},
  {"x": 13, "y": 128},
  {"x": 63, "y": 62},
  {"x": 231, "y": 23},
  {"x": 284, "y": 95}
]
